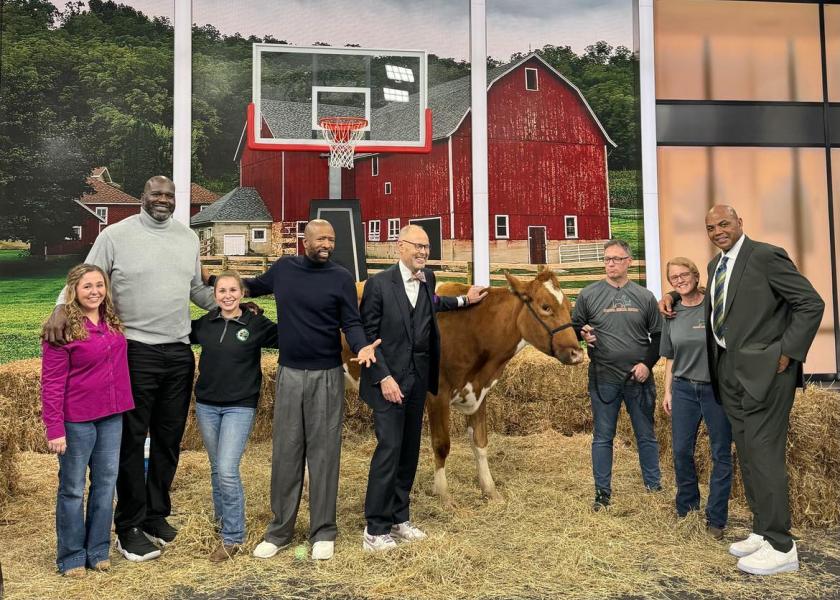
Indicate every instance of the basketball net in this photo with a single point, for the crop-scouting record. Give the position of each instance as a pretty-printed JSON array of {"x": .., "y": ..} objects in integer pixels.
[{"x": 342, "y": 134}]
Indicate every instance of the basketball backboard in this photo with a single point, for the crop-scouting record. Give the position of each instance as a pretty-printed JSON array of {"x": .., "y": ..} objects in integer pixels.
[{"x": 294, "y": 87}]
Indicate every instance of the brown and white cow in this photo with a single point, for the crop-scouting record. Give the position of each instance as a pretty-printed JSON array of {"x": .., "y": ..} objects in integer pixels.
[{"x": 476, "y": 344}]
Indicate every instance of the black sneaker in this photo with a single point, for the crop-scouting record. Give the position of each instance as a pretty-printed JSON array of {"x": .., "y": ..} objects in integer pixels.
[
  {"x": 602, "y": 500},
  {"x": 160, "y": 532},
  {"x": 135, "y": 546}
]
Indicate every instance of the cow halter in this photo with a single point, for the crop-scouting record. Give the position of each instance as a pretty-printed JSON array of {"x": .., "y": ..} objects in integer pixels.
[{"x": 526, "y": 300}]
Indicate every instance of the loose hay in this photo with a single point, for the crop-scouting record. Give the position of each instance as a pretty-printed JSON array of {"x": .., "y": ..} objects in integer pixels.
[
  {"x": 542, "y": 542},
  {"x": 535, "y": 394}
]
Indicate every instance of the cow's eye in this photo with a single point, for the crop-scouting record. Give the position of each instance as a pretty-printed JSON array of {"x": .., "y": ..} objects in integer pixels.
[{"x": 546, "y": 308}]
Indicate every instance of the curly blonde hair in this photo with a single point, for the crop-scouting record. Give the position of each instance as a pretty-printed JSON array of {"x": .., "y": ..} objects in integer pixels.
[{"x": 75, "y": 328}]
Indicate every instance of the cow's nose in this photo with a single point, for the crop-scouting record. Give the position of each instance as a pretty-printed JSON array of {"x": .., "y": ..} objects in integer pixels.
[{"x": 576, "y": 356}]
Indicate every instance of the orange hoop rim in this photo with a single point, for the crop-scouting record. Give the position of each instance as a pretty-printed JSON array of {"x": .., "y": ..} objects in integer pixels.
[{"x": 338, "y": 123}]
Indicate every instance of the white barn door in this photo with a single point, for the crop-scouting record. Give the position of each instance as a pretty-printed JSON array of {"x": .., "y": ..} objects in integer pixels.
[{"x": 234, "y": 245}]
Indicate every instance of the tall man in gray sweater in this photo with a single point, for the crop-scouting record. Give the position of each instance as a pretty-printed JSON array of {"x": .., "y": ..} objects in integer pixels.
[{"x": 153, "y": 263}]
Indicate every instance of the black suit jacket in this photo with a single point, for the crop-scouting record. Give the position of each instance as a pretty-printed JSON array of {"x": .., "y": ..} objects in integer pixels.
[
  {"x": 385, "y": 311},
  {"x": 771, "y": 309}
]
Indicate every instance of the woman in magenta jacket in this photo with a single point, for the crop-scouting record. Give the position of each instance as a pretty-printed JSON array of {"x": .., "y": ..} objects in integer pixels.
[{"x": 84, "y": 391}]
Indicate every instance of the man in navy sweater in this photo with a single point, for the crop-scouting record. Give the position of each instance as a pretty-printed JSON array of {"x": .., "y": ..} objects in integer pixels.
[{"x": 316, "y": 300}]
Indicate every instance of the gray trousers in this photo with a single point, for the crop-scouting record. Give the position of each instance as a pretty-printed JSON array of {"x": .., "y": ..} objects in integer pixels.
[
  {"x": 308, "y": 417},
  {"x": 760, "y": 429}
]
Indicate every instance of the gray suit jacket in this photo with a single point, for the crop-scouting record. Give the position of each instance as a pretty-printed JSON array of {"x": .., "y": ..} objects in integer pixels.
[{"x": 771, "y": 309}]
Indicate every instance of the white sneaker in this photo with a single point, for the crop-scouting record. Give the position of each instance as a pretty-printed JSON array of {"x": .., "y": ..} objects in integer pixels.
[
  {"x": 747, "y": 546},
  {"x": 407, "y": 532},
  {"x": 377, "y": 543},
  {"x": 769, "y": 561},
  {"x": 267, "y": 549},
  {"x": 323, "y": 550}
]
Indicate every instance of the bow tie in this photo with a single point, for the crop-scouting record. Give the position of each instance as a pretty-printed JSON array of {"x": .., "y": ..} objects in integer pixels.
[{"x": 419, "y": 276}]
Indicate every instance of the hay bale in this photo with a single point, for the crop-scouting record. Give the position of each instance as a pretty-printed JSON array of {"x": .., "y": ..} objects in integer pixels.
[
  {"x": 20, "y": 384},
  {"x": 9, "y": 472}
]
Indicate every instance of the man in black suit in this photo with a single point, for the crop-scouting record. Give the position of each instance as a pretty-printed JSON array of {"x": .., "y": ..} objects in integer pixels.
[
  {"x": 398, "y": 306},
  {"x": 762, "y": 316}
]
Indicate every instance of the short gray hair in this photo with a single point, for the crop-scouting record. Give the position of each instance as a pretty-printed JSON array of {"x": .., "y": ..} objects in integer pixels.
[{"x": 619, "y": 242}]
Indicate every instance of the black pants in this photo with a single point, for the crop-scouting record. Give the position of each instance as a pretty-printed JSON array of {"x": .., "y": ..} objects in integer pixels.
[
  {"x": 398, "y": 430},
  {"x": 760, "y": 428},
  {"x": 161, "y": 382}
]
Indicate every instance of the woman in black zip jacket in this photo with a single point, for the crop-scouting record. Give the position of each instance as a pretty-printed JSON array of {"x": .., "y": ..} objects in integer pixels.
[{"x": 226, "y": 393}]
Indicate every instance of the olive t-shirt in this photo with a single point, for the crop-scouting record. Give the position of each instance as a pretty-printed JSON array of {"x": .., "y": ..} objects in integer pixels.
[
  {"x": 624, "y": 319},
  {"x": 684, "y": 342}
]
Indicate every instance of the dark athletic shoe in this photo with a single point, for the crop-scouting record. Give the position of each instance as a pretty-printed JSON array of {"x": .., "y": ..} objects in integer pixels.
[
  {"x": 135, "y": 546},
  {"x": 160, "y": 532},
  {"x": 602, "y": 500}
]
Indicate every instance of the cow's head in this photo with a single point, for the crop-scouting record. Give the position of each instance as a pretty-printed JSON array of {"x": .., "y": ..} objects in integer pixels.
[{"x": 546, "y": 317}]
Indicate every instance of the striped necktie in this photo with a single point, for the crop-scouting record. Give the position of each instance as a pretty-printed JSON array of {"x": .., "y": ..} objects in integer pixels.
[{"x": 720, "y": 297}]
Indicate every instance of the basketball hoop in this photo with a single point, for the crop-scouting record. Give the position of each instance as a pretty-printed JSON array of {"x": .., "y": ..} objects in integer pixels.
[{"x": 342, "y": 134}]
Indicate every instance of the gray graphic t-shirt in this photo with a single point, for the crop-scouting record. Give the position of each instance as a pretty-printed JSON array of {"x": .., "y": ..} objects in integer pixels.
[
  {"x": 624, "y": 319},
  {"x": 684, "y": 341}
]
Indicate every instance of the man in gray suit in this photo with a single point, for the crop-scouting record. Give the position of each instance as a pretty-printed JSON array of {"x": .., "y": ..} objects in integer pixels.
[{"x": 763, "y": 316}]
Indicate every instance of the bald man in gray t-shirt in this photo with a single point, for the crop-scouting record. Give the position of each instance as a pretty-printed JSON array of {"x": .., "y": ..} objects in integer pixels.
[{"x": 620, "y": 322}]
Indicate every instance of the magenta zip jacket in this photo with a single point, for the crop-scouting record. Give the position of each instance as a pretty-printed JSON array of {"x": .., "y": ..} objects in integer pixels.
[{"x": 84, "y": 380}]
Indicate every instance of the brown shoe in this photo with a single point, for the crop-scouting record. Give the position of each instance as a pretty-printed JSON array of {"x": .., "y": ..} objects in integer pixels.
[
  {"x": 714, "y": 532},
  {"x": 224, "y": 552},
  {"x": 75, "y": 573},
  {"x": 102, "y": 565}
]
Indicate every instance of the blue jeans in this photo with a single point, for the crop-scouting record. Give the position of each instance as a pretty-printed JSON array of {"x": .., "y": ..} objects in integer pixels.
[
  {"x": 640, "y": 400},
  {"x": 225, "y": 431},
  {"x": 691, "y": 402},
  {"x": 85, "y": 540}
]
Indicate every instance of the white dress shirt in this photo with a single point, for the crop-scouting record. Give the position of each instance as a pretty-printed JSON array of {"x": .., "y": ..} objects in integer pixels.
[
  {"x": 732, "y": 256},
  {"x": 412, "y": 286}
]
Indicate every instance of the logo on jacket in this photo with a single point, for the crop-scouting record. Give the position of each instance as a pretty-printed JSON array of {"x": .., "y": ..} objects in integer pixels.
[{"x": 242, "y": 335}]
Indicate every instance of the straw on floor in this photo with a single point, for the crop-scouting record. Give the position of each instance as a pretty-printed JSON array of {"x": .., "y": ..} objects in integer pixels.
[{"x": 543, "y": 541}]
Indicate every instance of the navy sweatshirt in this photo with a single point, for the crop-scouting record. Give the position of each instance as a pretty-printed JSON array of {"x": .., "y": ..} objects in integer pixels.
[
  {"x": 314, "y": 301},
  {"x": 229, "y": 367}
]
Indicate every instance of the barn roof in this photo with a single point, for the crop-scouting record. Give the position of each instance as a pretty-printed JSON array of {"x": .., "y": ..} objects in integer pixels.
[
  {"x": 241, "y": 204},
  {"x": 106, "y": 193},
  {"x": 450, "y": 103},
  {"x": 201, "y": 195}
]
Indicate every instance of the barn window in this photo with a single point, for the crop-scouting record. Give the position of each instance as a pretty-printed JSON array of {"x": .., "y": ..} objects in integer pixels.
[
  {"x": 393, "y": 229},
  {"x": 502, "y": 231},
  {"x": 374, "y": 166},
  {"x": 373, "y": 231},
  {"x": 258, "y": 234},
  {"x": 570, "y": 223},
  {"x": 301, "y": 228},
  {"x": 387, "y": 188},
  {"x": 102, "y": 213},
  {"x": 532, "y": 81},
  {"x": 102, "y": 226},
  {"x": 77, "y": 233}
]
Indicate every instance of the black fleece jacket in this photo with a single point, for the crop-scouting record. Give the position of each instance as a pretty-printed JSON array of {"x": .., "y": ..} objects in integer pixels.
[{"x": 229, "y": 367}]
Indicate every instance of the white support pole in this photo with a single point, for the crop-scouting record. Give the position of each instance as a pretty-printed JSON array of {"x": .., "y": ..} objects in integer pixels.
[
  {"x": 182, "y": 110},
  {"x": 650, "y": 193},
  {"x": 480, "y": 193}
]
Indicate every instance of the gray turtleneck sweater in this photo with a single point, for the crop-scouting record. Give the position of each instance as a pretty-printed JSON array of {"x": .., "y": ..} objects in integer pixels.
[{"x": 155, "y": 271}]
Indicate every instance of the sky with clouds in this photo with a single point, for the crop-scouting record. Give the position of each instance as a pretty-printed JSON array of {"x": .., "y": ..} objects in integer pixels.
[{"x": 439, "y": 26}]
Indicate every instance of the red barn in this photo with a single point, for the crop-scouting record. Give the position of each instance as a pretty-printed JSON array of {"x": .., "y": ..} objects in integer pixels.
[{"x": 547, "y": 168}]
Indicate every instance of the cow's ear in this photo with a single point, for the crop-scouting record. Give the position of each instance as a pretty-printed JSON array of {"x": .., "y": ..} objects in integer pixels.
[{"x": 517, "y": 286}]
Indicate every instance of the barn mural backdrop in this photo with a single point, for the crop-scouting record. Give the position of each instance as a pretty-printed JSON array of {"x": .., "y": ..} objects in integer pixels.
[{"x": 562, "y": 128}]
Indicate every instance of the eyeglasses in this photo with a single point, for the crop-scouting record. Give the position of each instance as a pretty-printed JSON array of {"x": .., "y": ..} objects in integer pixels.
[
  {"x": 612, "y": 260},
  {"x": 680, "y": 277},
  {"x": 422, "y": 247}
]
